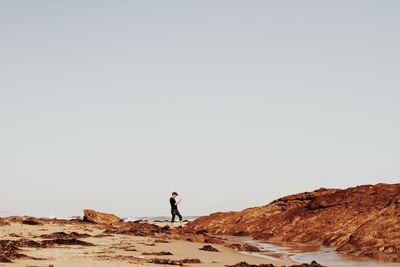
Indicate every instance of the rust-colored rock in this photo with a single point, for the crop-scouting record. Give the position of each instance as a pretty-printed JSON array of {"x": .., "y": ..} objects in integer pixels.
[
  {"x": 3, "y": 222},
  {"x": 40, "y": 221},
  {"x": 65, "y": 242},
  {"x": 209, "y": 248},
  {"x": 136, "y": 229},
  {"x": 32, "y": 221},
  {"x": 363, "y": 220},
  {"x": 9, "y": 251},
  {"x": 157, "y": 253},
  {"x": 63, "y": 235},
  {"x": 100, "y": 218},
  {"x": 152, "y": 230},
  {"x": 243, "y": 247},
  {"x": 174, "y": 262}
]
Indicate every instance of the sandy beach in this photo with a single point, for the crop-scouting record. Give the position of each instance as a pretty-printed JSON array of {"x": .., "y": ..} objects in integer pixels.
[{"x": 113, "y": 249}]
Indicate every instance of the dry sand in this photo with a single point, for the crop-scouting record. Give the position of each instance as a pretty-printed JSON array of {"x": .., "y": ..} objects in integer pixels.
[{"x": 116, "y": 249}]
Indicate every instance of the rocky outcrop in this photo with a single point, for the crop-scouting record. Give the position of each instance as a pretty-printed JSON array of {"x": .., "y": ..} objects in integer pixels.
[
  {"x": 40, "y": 221},
  {"x": 162, "y": 233},
  {"x": 363, "y": 220},
  {"x": 3, "y": 222},
  {"x": 100, "y": 218},
  {"x": 10, "y": 249},
  {"x": 243, "y": 247},
  {"x": 209, "y": 248},
  {"x": 31, "y": 221}
]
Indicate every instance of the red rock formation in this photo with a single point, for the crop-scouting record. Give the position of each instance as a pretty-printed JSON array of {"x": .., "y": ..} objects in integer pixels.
[
  {"x": 151, "y": 230},
  {"x": 39, "y": 221},
  {"x": 363, "y": 220},
  {"x": 100, "y": 218},
  {"x": 3, "y": 222},
  {"x": 243, "y": 247}
]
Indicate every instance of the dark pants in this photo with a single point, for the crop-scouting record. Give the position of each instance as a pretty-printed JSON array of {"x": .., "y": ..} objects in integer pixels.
[{"x": 175, "y": 212}]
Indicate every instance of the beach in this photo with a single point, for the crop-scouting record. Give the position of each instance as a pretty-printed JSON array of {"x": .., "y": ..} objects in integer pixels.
[{"x": 104, "y": 249}]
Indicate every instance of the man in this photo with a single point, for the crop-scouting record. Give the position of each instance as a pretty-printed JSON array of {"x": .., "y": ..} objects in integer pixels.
[{"x": 174, "y": 201}]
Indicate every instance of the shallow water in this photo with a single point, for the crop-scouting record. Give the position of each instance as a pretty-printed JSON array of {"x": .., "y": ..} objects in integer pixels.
[{"x": 306, "y": 253}]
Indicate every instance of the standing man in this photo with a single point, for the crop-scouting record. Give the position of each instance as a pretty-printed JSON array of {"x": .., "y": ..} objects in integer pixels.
[{"x": 174, "y": 201}]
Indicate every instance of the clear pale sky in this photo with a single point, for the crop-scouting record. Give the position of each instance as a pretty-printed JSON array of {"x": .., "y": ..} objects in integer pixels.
[{"x": 112, "y": 105}]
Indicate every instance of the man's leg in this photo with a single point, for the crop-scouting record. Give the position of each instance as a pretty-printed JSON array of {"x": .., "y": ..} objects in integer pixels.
[
  {"x": 173, "y": 213},
  {"x": 179, "y": 215}
]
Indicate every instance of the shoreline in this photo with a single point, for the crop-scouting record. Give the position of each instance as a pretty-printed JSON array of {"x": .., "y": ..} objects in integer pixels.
[{"x": 303, "y": 252}]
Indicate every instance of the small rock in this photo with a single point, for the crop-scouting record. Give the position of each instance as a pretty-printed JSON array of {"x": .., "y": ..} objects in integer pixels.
[{"x": 209, "y": 248}]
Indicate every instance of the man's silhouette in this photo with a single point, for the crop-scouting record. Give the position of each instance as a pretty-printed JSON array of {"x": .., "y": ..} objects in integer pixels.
[{"x": 174, "y": 201}]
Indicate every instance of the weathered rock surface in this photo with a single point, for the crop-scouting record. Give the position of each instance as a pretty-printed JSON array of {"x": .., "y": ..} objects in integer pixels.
[
  {"x": 9, "y": 251},
  {"x": 162, "y": 233},
  {"x": 174, "y": 262},
  {"x": 3, "y": 222},
  {"x": 63, "y": 235},
  {"x": 31, "y": 221},
  {"x": 157, "y": 253},
  {"x": 209, "y": 248},
  {"x": 243, "y": 247},
  {"x": 39, "y": 221},
  {"x": 100, "y": 218},
  {"x": 363, "y": 220}
]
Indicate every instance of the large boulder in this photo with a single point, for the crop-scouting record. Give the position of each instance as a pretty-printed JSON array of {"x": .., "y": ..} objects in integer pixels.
[{"x": 99, "y": 217}]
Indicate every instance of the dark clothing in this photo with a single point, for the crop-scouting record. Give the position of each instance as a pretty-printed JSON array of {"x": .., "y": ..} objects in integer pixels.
[
  {"x": 174, "y": 210},
  {"x": 172, "y": 202}
]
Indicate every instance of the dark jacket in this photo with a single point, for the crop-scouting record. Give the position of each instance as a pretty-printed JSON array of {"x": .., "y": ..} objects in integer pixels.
[{"x": 173, "y": 203}]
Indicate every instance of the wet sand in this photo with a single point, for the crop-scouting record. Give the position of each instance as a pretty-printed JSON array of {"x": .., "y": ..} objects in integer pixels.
[{"x": 299, "y": 252}]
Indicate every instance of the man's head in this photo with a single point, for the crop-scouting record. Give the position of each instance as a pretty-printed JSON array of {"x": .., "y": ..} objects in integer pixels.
[{"x": 174, "y": 194}]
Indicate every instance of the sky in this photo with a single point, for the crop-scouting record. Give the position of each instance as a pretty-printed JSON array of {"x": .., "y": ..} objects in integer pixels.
[{"x": 112, "y": 105}]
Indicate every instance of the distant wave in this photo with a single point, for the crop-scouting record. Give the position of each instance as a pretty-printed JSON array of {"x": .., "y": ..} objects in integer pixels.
[{"x": 5, "y": 213}]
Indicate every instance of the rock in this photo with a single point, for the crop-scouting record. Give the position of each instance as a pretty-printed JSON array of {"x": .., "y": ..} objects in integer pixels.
[
  {"x": 174, "y": 262},
  {"x": 155, "y": 253},
  {"x": 245, "y": 264},
  {"x": 99, "y": 217},
  {"x": 31, "y": 221},
  {"x": 63, "y": 235},
  {"x": 244, "y": 247},
  {"x": 66, "y": 242},
  {"x": 209, "y": 248},
  {"x": 152, "y": 230},
  {"x": 3, "y": 222},
  {"x": 363, "y": 220},
  {"x": 193, "y": 261},
  {"x": 312, "y": 264},
  {"x": 136, "y": 229},
  {"x": 41, "y": 221},
  {"x": 9, "y": 251},
  {"x": 161, "y": 241}
]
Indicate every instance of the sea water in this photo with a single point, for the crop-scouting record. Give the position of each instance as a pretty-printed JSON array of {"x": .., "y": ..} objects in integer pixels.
[{"x": 306, "y": 253}]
